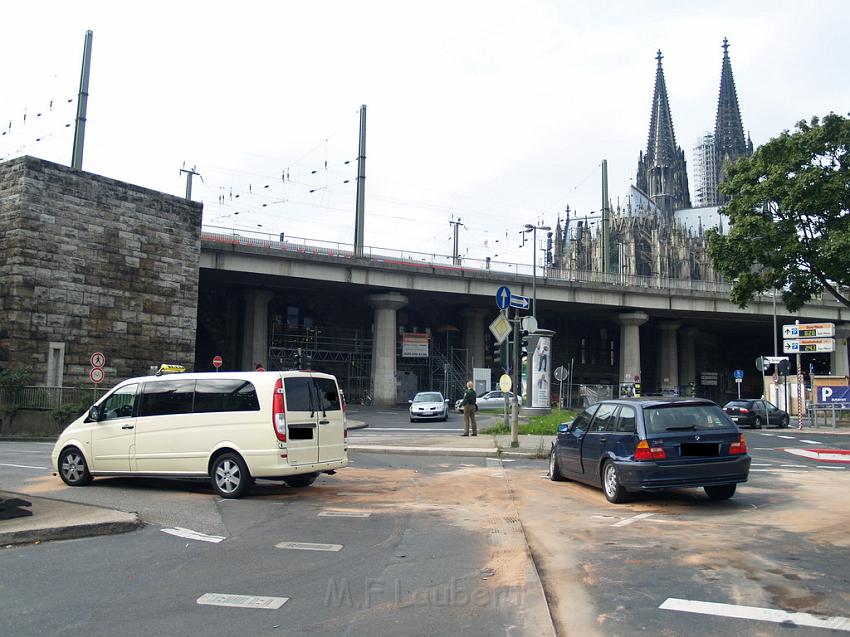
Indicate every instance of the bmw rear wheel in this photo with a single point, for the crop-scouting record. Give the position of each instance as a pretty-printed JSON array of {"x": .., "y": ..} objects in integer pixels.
[
  {"x": 720, "y": 491},
  {"x": 614, "y": 491}
]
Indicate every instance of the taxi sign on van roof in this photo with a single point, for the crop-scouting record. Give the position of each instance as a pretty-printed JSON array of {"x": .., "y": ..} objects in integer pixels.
[{"x": 170, "y": 369}]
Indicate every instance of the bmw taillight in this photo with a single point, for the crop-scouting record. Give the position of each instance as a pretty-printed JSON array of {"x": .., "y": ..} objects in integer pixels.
[
  {"x": 279, "y": 411},
  {"x": 644, "y": 451},
  {"x": 744, "y": 410},
  {"x": 738, "y": 447}
]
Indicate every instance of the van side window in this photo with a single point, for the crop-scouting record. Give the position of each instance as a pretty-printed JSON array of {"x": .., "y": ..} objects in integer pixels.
[
  {"x": 120, "y": 404},
  {"x": 225, "y": 395},
  {"x": 328, "y": 395},
  {"x": 298, "y": 393},
  {"x": 165, "y": 397}
]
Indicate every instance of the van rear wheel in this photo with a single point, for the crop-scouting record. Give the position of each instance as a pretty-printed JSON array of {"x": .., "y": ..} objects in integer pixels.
[
  {"x": 301, "y": 480},
  {"x": 229, "y": 476}
]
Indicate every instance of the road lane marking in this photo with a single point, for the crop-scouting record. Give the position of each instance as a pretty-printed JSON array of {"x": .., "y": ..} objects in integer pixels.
[
  {"x": 24, "y": 466},
  {"x": 787, "y": 437},
  {"x": 822, "y": 467},
  {"x": 811, "y": 442},
  {"x": 824, "y": 455},
  {"x": 635, "y": 518},
  {"x": 764, "y": 434},
  {"x": 409, "y": 429},
  {"x": 775, "y": 471},
  {"x": 189, "y": 534},
  {"x": 343, "y": 514},
  {"x": 242, "y": 601},
  {"x": 795, "y": 466},
  {"x": 308, "y": 546},
  {"x": 753, "y": 612},
  {"x": 761, "y": 464}
]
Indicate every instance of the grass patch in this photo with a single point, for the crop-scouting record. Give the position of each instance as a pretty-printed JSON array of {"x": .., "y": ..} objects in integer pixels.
[{"x": 537, "y": 425}]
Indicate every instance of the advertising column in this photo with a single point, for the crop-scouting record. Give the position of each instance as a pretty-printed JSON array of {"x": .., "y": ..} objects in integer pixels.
[{"x": 539, "y": 372}]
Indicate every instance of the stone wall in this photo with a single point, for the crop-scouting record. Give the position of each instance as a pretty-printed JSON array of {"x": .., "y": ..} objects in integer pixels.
[{"x": 87, "y": 264}]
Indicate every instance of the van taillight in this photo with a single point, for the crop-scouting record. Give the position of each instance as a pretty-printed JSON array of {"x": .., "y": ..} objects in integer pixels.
[
  {"x": 644, "y": 452},
  {"x": 279, "y": 411},
  {"x": 738, "y": 447}
]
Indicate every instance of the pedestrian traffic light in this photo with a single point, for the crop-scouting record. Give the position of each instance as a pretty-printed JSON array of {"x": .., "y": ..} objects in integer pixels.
[{"x": 298, "y": 358}]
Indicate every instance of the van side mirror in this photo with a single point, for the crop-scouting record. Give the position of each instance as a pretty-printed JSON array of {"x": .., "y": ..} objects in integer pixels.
[
  {"x": 410, "y": 402},
  {"x": 94, "y": 413}
]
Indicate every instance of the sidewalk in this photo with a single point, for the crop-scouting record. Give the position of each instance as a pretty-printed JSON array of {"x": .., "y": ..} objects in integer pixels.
[{"x": 59, "y": 520}]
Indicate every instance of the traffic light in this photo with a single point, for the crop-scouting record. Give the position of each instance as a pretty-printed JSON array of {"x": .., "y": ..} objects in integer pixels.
[
  {"x": 523, "y": 347},
  {"x": 500, "y": 356},
  {"x": 297, "y": 358},
  {"x": 497, "y": 354}
]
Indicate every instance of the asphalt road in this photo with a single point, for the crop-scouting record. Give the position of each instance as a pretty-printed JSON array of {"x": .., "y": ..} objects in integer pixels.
[{"x": 440, "y": 530}]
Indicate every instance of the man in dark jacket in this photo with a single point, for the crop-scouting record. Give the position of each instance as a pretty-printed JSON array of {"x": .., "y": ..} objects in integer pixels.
[{"x": 468, "y": 404}]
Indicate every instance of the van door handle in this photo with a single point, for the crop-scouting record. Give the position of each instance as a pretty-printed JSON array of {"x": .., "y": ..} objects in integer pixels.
[
  {"x": 603, "y": 438},
  {"x": 324, "y": 422},
  {"x": 127, "y": 427}
]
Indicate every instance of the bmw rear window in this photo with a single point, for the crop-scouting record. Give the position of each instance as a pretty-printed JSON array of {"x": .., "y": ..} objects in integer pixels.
[{"x": 664, "y": 418}]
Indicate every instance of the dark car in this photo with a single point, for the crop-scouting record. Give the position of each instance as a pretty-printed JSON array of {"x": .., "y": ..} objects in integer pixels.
[
  {"x": 631, "y": 445},
  {"x": 756, "y": 413}
]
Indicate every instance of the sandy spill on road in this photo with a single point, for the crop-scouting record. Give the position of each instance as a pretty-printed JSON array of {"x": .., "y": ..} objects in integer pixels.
[{"x": 691, "y": 531}]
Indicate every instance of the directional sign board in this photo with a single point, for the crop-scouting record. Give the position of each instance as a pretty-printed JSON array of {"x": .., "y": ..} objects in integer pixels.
[
  {"x": 500, "y": 328},
  {"x": 503, "y": 297},
  {"x": 520, "y": 302},
  {"x": 774, "y": 360},
  {"x": 808, "y": 330},
  {"x": 808, "y": 345}
]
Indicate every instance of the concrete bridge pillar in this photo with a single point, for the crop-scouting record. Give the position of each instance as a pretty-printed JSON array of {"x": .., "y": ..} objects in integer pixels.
[
  {"x": 668, "y": 355},
  {"x": 255, "y": 328},
  {"x": 838, "y": 363},
  {"x": 473, "y": 338},
  {"x": 687, "y": 355},
  {"x": 384, "y": 346},
  {"x": 630, "y": 345}
]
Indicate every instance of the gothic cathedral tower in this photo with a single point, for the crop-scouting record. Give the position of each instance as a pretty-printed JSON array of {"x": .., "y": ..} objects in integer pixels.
[
  {"x": 729, "y": 143},
  {"x": 662, "y": 171}
]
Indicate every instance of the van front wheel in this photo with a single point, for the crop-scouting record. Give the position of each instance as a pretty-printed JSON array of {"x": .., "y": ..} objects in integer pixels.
[
  {"x": 229, "y": 476},
  {"x": 302, "y": 480},
  {"x": 73, "y": 468}
]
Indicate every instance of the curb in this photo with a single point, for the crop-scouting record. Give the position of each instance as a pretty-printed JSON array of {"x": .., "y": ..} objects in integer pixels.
[{"x": 30, "y": 536}]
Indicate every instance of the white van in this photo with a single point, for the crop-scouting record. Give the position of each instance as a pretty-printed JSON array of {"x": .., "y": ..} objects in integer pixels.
[{"x": 230, "y": 427}]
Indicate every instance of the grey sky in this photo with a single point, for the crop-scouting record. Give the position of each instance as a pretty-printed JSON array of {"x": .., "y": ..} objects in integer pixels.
[{"x": 495, "y": 112}]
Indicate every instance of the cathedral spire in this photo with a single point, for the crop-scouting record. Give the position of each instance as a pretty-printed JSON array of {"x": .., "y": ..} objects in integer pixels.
[
  {"x": 661, "y": 146},
  {"x": 729, "y": 140},
  {"x": 662, "y": 173}
]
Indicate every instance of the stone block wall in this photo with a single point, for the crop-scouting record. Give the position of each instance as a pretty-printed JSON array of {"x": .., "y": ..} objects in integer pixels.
[{"x": 88, "y": 263}]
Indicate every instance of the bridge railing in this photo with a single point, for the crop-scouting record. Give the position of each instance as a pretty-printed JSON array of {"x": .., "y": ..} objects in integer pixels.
[{"x": 303, "y": 245}]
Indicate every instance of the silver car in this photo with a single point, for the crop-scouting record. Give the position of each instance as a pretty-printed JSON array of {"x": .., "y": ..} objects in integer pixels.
[
  {"x": 491, "y": 400},
  {"x": 429, "y": 405}
]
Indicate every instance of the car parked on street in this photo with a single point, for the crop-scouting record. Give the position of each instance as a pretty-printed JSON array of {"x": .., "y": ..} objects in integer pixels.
[
  {"x": 491, "y": 400},
  {"x": 756, "y": 413},
  {"x": 641, "y": 444},
  {"x": 429, "y": 405}
]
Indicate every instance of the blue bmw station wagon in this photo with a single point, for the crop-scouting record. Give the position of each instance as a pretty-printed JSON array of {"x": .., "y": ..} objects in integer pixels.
[{"x": 631, "y": 445}]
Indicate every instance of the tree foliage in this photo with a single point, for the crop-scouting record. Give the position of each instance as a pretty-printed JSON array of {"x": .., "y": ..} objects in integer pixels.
[{"x": 790, "y": 225}]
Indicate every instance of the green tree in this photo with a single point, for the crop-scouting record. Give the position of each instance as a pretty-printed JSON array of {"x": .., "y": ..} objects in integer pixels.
[{"x": 790, "y": 225}]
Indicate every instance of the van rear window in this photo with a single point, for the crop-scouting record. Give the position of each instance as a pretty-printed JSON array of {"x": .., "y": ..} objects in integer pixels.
[
  {"x": 225, "y": 395},
  {"x": 328, "y": 394}
]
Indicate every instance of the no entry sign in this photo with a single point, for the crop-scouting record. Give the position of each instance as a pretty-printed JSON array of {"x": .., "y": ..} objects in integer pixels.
[{"x": 217, "y": 361}]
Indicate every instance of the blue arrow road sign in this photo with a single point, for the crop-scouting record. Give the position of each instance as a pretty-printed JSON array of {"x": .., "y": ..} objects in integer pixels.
[
  {"x": 520, "y": 302},
  {"x": 739, "y": 373},
  {"x": 503, "y": 297}
]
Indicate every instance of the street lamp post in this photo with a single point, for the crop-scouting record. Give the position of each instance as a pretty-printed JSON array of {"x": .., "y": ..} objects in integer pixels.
[{"x": 533, "y": 229}]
